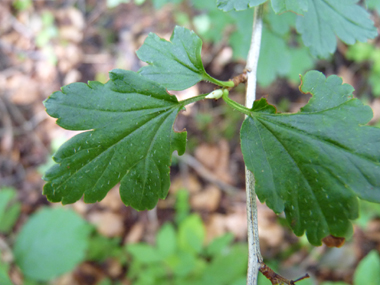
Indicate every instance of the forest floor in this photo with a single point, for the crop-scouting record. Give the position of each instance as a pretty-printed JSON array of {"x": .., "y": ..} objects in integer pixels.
[{"x": 54, "y": 43}]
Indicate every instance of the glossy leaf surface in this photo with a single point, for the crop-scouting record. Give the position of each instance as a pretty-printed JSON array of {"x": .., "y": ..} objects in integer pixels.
[
  {"x": 130, "y": 140},
  {"x": 326, "y": 19},
  {"x": 177, "y": 64},
  {"x": 315, "y": 163},
  {"x": 238, "y": 5},
  {"x": 297, "y": 6}
]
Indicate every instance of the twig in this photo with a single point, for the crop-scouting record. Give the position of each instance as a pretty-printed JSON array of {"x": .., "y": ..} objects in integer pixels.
[
  {"x": 254, "y": 258},
  {"x": 276, "y": 278},
  {"x": 206, "y": 174},
  {"x": 7, "y": 138}
]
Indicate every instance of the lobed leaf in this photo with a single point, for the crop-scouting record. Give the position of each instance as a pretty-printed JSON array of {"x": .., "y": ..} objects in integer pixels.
[
  {"x": 326, "y": 19},
  {"x": 130, "y": 140},
  {"x": 297, "y": 6},
  {"x": 315, "y": 163},
  {"x": 177, "y": 64},
  {"x": 238, "y": 5}
]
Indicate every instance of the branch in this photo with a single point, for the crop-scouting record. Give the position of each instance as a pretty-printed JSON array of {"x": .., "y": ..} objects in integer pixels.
[{"x": 254, "y": 256}]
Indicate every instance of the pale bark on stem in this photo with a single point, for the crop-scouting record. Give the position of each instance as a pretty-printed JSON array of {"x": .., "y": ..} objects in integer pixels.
[{"x": 254, "y": 258}]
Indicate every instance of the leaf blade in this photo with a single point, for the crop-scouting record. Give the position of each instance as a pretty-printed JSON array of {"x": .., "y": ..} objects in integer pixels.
[
  {"x": 297, "y": 6},
  {"x": 314, "y": 159},
  {"x": 177, "y": 64},
  {"x": 130, "y": 140},
  {"x": 237, "y": 5},
  {"x": 328, "y": 19}
]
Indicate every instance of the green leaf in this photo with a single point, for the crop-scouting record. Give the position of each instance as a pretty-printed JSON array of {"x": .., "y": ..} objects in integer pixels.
[
  {"x": 219, "y": 244},
  {"x": 334, "y": 283},
  {"x": 4, "y": 277},
  {"x": 182, "y": 263},
  {"x": 224, "y": 269},
  {"x": 191, "y": 234},
  {"x": 177, "y": 64},
  {"x": 51, "y": 243},
  {"x": 100, "y": 248},
  {"x": 238, "y": 5},
  {"x": 9, "y": 209},
  {"x": 373, "y": 4},
  {"x": 166, "y": 240},
  {"x": 158, "y": 4},
  {"x": 274, "y": 58},
  {"x": 367, "y": 271},
  {"x": 300, "y": 62},
  {"x": 131, "y": 139},
  {"x": 297, "y": 6},
  {"x": 144, "y": 253},
  {"x": 241, "y": 38},
  {"x": 280, "y": 24},
  {"x": 326, "y": 19},
  {"x": 315, "y": 163},
  {"x": 218, "y": 21}
]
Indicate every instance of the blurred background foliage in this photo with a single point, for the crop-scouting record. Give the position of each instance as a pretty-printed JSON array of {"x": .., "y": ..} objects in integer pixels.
[{"x": 198, "y": 234}]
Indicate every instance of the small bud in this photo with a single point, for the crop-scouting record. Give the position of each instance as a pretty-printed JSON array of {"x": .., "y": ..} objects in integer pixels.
[{"x": 216, "y": 94}]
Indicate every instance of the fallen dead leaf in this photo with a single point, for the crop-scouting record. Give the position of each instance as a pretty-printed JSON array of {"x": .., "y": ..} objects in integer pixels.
[
  {"x": 69, "y": 56},
  {"x": 81, "y": 207},
  {"x": 215, "y": 227},
  {"x": 270, "y": 232},
  {"x": 24, "y": 90},
  {"x": 135, "y": 234},
  {"x": 114, "y": 268},
  {"x": 45, "y": 71},
  {"x": 112, "y": 200},
  {"x": 216, "y": 158},
  {"x": 236, "y": 222},
  {"x": 191, "y": 183},
  {"x": 72, "y": 76},
  {"x": 67, "y": 279},
  {"x": 108, "y": 224},
  {"x": 347, "y": 75},
  {"x": 208, "y": 199}
]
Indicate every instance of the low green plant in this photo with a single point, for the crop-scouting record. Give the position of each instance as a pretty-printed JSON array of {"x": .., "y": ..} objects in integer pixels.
[
  {"x": 312, "y": 165},
  {"x": 367, "y": 271},
  {"x": 180, "y": 257},
  {"x": 367, "y": 53},
  {"x": 22, "y": 5},
  {"x": 9, "y": 209},
  {"x": 52, "y": 242}
]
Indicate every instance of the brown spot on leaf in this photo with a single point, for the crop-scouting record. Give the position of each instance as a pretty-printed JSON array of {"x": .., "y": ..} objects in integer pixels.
[{"x": 332, "y": 241}]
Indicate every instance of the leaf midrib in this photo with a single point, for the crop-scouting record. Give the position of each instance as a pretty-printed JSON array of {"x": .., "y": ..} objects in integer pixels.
[
  {"x": 108, "y": 148},
  {"x": 171, "y": 56},
  {"x": 335, "y": 144},
  {"x": 310, "y": 188}
]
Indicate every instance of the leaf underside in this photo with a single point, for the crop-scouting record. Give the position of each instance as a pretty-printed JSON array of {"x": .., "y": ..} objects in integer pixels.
[
  {"x": 297, "y": 6},
  {"x": 177, "y": 64},
  {"x": 315, "y": 163},
  {"x": 130, "y": 139},
  {"x": 326, "y": 19},
  {"x": 238, "y": 5}
]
